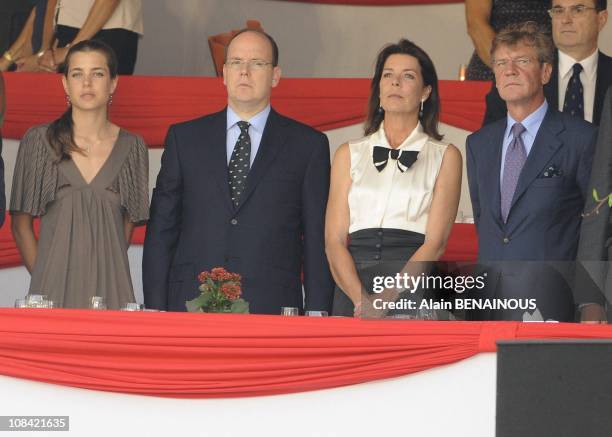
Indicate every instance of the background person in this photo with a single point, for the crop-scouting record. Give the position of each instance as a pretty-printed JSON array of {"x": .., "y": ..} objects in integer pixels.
[
  {"x": 487, "y": 17},
  {"x": 581, "y": 73}
]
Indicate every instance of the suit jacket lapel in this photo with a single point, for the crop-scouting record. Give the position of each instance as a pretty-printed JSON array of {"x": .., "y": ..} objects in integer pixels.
[
  {"x": 544, "y": 147},
  {"x": 271, "y": 144},
  {"x": 217, "y": 156}
]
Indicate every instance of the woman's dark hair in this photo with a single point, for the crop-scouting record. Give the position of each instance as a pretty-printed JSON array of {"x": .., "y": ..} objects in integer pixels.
[
  {"x": 431, "y": 106},
  {"x": 60, "y": 132}
]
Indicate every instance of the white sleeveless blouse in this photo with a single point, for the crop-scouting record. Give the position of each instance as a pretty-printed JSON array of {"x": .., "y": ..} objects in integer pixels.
[{"x": 390, "y": 198}]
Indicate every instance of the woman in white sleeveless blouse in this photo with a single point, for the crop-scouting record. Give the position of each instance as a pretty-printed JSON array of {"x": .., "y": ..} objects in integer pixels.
[{"x": 394, "y": 193}]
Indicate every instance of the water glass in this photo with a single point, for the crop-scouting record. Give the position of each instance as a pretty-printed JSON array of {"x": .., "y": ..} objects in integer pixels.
[
  {"x": 132, "y": 306},
  {"x": 21, "y": 303},
  {"x": 316, "y": 313},
  {"x": 97, "y": 303},
  {"x": 289, "y": 311}
]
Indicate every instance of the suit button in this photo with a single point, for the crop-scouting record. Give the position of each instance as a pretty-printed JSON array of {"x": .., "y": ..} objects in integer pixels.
[
  {"x": 379, "y": 233},
  {"x": 378, "y": 245},
  {"x": 506, "y": 240},
  {"x": 377, "y": 256},
  {"x": 234, "y": 221}
]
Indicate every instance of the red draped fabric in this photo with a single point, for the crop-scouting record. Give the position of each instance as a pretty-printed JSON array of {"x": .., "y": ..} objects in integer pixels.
[
  {"x": 462, "y": 244},
  {"x": 148, "y": 105},
  {"x": 211, "y": 355},
  {"x": 377, "y": 2}
]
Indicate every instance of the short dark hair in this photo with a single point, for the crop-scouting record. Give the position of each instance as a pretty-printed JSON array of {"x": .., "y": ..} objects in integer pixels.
[
  {"x": 273, "y": 44},
  {"x": 530, "y": 34},
  {"x": 600, "y": 5},
  {"x": 431, "y": 106}
]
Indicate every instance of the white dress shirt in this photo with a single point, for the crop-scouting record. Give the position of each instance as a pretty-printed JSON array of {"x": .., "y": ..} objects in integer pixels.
[
  {"x": 390, "y": 198},
  {"x": 588, "y": 77}
]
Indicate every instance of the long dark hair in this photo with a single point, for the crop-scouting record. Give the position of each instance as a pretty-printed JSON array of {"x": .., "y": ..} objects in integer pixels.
[
  {"x": 431, "y": 106},
  {"x": 60, "y": 133}
]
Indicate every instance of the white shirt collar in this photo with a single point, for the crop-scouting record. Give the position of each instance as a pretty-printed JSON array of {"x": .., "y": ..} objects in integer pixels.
[
  {"x": 589, "y": 64},
  {"x": 415, "y": 141},
  {"x": 257, "y": 122}
]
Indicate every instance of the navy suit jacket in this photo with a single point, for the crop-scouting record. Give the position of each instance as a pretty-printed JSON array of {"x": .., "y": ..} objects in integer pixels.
[
  {"x": 496, "y": 107},
  {"x": 544, "y": 219},
  {"x": 277, "y": 230}
]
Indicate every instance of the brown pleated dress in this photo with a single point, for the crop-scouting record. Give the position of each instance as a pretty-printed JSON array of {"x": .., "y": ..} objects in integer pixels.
[{"x": 82, "y": 250}]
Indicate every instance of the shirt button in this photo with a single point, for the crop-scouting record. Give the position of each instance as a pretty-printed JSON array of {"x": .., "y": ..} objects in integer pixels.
[
  {"x": 506, "y": 240},
  {"x": 377, "y": 257},
  {"x": 378, "y": 245},
  {"x": 234, "y": 221},
  {"x": 379, "y": 233}
]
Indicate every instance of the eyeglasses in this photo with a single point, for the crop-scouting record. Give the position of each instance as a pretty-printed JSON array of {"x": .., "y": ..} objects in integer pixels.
[
  {"x": 575, "y": 11},
  {"x": 252, "y": 64},
  {"x": 501, "y": 64}
]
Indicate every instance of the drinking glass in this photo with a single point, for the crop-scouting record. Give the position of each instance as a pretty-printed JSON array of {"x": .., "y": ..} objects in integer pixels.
[
  {"x": 132, "y": 306},
  {"x": 21, "y": 303},
  {"x": 97, "y": 303},
  {"x": 316, "y": 313},
  {"x": 289, "y": 311}
]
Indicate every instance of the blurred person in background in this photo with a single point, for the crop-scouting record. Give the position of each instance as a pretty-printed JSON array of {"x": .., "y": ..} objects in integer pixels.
[{"x": 487, "y": 17}]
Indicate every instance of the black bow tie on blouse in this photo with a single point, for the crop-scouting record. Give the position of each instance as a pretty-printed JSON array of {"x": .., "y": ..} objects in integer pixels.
[{"x": 404, "y": 158}]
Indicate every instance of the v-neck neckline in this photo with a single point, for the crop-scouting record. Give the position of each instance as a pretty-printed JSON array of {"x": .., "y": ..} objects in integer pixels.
[{"x": 102, "y": 167}]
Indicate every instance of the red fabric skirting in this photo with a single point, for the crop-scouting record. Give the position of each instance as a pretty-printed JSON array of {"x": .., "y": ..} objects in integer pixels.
[
  {"x": 148, "y": 105},
  {"x": 377, "y": 2},
  {"x": 210, "y": 355},
  {"x": 462, "y": 244}
]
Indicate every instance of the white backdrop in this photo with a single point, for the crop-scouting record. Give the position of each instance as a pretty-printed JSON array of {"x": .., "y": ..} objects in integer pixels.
[{"x": 315, "y": 40}]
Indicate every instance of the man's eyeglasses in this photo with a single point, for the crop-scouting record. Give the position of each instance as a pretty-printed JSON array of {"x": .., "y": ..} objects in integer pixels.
[
  {"x": 501, "y": 64},
  {"x": 575, "y": 11},
  {"x": 252, "y": 64}
]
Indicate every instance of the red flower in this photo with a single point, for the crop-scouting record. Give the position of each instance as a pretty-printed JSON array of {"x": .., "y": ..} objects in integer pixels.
[
  {"x": 231, "y": 291},
  {"x": 202, "y": 277}
]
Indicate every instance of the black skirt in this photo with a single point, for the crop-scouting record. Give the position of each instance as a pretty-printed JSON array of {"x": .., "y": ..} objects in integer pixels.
[{"x": 377, "y": 251}]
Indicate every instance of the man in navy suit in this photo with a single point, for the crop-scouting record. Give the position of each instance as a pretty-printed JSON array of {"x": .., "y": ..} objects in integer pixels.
[
  {"x": 246, "y": 189},
  {"x": 528, "y": 176},
  {"x": 576, "y": 25}
]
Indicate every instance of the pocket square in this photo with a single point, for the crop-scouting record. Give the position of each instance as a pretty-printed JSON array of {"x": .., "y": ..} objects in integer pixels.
[{"x": 552, "y": 171}]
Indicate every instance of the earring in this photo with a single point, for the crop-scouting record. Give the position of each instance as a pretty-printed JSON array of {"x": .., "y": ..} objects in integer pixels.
[
  {"x": 110, "y": 100},
  {"x": 421, "y": 111},
  {"x": 380, "y": 110},
  {"x": 68, "y": 101}
]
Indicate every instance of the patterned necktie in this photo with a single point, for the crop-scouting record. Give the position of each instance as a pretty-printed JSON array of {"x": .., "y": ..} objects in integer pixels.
[
  {"x": 574, "y": 95},
  {"x": 239, "y": 163},
  {"x": 513, "y": 164}
]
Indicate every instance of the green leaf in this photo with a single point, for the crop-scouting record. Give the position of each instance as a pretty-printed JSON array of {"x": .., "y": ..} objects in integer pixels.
[
  {"x": 610, "y": 200},
  {"x": 595, "y": 195},
  {"x": 200, "y": 302},
  {"x": 240, "y": 306}
]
